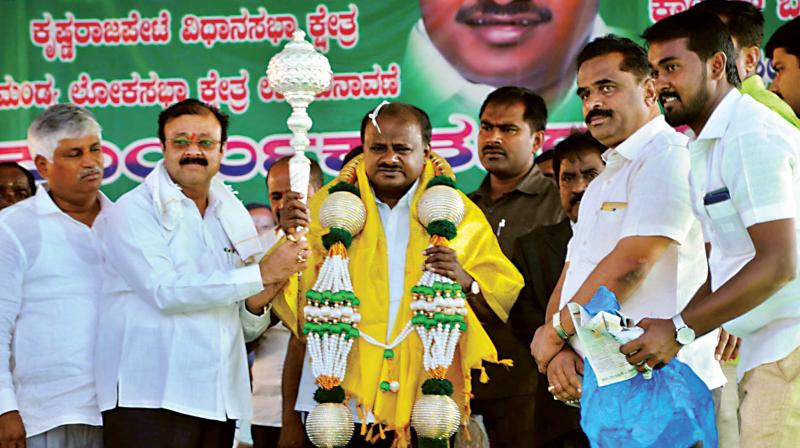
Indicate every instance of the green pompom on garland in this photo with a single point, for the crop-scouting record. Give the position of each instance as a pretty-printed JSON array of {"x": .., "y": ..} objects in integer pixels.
[
  {"x": 335, "y": 395},
  {"x": 433, "y": 386},
  {"x": 344, "y": 186},
  {"x": 337, "y": 235},
  {"x": 442, "y": 179},
  {"x": 424, "y": 442},
  {"x": 443, "y": 228}
]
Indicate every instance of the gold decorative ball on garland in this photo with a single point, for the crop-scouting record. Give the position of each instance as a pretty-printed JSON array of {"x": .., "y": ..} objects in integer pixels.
[
  {"x": 343, "y": 210},
  {"x": 435, "y": 417},
  {"x": 440, "y": 203},
  {"x": 330, "y": 425}
]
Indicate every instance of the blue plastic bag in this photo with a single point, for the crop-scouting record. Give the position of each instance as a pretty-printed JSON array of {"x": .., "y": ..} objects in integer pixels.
[{"x": 673, "y": 409}]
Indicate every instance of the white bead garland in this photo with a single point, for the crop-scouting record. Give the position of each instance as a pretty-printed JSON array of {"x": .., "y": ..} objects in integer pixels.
[
  {"x": 329, "y": 352},
  {"x": 440, "y": 342}
]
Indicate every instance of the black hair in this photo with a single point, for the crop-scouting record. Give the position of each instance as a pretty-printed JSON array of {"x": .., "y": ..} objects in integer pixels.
[
  {"x": 543, "y": 157},
  {"x": 576, "y": 142},
  {"x": 706, "y": 34},
  {"x": 315, "y": 176},
  {"x": 256, "y": 205},
  {"x": 744, "y": 20},
  {"x": 535, "y": 113},
  {"x": 28, "y": 174},
  {"x": 352, "y": 154},
  {"x": 191, "y": 106},
  {"x": 634, "y": 56},
  {"x": 394, "y": 109},
  {"x": 786, "y": 37}
]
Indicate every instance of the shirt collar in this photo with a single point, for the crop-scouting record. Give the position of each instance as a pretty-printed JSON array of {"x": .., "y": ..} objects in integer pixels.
[
  {"x": 531, "y": 184},
  {"x": 46, "y": 206},
  {"x": 632, "y": 146},
  {"x": 405, "y": 201},
  {"x": 720, "y": 118}
]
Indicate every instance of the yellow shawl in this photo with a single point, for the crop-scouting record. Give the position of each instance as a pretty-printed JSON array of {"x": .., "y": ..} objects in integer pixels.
[{"x": 480, "y": 256}]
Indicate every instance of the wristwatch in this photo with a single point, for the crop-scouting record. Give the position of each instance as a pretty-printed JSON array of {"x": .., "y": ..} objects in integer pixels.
[
  {"x": 474, "y": 288},
  {"x": 683, "y": 334}
]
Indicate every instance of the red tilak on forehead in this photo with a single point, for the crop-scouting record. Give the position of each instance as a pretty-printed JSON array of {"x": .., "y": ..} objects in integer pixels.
[{"x": 194, "y": 137}]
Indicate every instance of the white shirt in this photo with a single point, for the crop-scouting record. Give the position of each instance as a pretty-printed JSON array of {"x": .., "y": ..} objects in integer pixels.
[
  {"x": 755, "y": 154},
  {"x": 395, "y": 223},
  {"x": 50, "y": 272},
  {"x": 644, "y": 191},
  {"x": 172, "y": 319},
  {"x": 268, "y": 366}
]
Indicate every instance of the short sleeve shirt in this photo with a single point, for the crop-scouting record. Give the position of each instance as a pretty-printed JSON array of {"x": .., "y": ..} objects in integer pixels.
[
  {"x": 644, "y": 191},
  {"x": 744, "y": 171}
]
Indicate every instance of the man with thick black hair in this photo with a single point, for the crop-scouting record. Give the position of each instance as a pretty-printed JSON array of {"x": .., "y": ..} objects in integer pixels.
[{"x": 746, "y": 192}]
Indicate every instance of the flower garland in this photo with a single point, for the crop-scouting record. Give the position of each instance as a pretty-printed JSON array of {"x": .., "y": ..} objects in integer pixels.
[
  {"x": 332, "y": 317},
  {"x": 440, "y": 310}
]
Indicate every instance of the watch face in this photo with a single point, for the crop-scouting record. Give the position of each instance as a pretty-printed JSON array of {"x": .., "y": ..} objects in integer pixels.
[{"x": 685, "y": 336}]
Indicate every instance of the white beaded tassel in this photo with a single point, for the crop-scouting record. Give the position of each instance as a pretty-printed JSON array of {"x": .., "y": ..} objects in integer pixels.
[
  {"x": 440, "y": 342},
  {"x": 329, "y": 352}
]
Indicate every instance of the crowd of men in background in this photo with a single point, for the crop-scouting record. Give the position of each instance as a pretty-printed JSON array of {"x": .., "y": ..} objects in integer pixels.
[{"x": 129, "y": 324}]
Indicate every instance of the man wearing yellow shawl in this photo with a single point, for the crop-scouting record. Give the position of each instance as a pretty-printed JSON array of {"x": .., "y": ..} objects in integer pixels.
[{"x": 385, "y": 369}]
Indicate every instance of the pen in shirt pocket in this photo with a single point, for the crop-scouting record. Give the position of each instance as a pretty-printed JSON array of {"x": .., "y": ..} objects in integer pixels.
[
  {"x": 500, "y": 226},
  {"x": 230, "y": 256}
]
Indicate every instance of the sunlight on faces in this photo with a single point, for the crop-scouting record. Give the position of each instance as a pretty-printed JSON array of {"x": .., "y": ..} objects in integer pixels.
[
  {"x": 615, "y": 103},
  {"x": 681, "y": 80},
  {"x": 503, "y": 42},
  {"x": 76, "y": 168},
  {"x": 395, "y": 157},
  {"x": 196, "y": 128},
  {"x": 787, "y": 78},
  {"x": 505, "y": 141},
  {"x": 576, "y": 172}
]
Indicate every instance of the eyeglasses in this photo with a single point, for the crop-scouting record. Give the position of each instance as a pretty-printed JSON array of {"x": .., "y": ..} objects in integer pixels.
[{"x": 202, "y": 142}]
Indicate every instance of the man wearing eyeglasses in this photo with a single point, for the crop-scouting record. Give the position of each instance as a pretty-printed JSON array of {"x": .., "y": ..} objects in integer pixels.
[{"x": 183, "y": 289}]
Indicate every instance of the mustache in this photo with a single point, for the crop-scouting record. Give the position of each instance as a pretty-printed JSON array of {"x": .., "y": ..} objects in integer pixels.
[
  {"x": 475, "y": 14},
  {"x": 388, "y": 167},
  {"x": 493, "y": 148},
  {"x": 664, "y": 93},
  {"x": 597, "y": 112},
  {"x": 86, "y": 172},
  {"x": 577, "y": 197},
  {"x": 198, "y": 160}
]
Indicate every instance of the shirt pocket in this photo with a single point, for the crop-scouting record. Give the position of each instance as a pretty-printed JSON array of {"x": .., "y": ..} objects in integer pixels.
[
  {"x": 605, "y": 234},
  {"x": 728, "y": 228}
]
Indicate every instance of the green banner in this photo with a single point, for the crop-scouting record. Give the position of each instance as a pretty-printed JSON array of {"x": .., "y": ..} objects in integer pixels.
[{"x": 126, "y": 60}]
